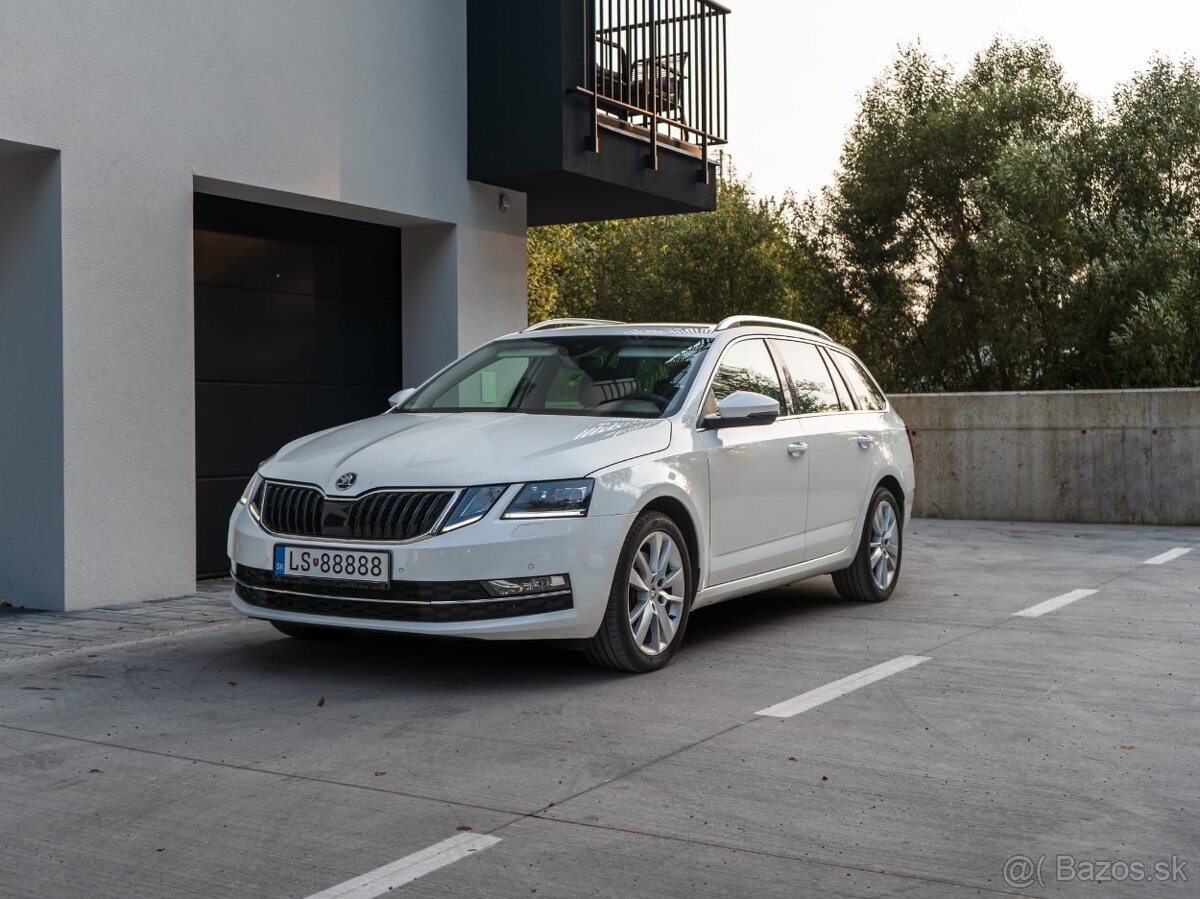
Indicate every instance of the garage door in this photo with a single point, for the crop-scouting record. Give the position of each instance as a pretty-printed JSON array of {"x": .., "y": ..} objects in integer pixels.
[{"x": 297, "y": 329}]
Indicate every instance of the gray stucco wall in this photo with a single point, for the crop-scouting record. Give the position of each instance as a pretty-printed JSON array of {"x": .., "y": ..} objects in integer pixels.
[
  {"x": 353, "y": 109},
  {"x": 1122, "y": 456},
  {"x": 31, "y": 448}
]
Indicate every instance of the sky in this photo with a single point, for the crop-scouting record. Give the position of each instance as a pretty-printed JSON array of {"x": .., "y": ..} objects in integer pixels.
[{"x": 797, "y": 67}]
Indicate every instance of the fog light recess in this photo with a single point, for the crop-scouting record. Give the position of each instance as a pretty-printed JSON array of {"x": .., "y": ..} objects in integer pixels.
[{"x": 526, "y": 586}]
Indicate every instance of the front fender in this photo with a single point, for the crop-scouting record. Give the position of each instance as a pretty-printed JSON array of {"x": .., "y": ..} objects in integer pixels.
[{"x": 632, "y": 486}]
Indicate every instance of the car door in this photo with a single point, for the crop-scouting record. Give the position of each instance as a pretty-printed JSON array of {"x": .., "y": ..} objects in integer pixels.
[
  {"x": 758, "y": 475},
  {"x": 845, "y": 457},
  {"x": 830, "y": 430}
]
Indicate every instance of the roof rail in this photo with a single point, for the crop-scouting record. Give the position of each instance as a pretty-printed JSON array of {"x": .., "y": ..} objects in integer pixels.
[
  {"x": 568, "y": 323},
  {"x": 737, "y": 321},
  {"x": 703, "y": 326}
]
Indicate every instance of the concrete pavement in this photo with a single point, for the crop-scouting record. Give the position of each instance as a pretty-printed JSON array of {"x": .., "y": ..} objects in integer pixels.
[{"x": 218, "y": 758}]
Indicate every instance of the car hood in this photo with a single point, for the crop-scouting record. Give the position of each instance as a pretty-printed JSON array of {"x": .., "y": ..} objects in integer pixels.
[{"x": 462, "y": 449}]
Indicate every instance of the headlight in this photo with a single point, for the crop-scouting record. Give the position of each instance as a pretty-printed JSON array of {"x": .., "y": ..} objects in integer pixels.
[
  {"x": 251, "y": 493},
  {"x": 552, "y": 499},
  {"x": 251, "y": 488},
  {"x": 472, "y": 506}
]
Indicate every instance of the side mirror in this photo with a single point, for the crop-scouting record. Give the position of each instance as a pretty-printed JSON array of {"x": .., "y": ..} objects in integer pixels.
[
  {"x": 742, "y": 409},
  {"x": 400, "y": 396}
]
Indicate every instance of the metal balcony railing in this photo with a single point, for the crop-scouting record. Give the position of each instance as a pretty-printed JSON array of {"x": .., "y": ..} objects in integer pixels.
[{"x": 658, "y": 68}]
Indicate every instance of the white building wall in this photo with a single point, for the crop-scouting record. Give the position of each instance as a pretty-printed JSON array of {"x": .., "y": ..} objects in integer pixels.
[{"x": 354, "y": 109}]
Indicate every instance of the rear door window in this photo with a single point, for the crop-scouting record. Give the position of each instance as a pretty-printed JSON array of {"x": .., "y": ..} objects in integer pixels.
[{"x": 811, "y": 384}]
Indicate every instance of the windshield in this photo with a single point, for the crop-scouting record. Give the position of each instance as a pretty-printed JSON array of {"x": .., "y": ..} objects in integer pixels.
[{"x": 618, "y": 376}]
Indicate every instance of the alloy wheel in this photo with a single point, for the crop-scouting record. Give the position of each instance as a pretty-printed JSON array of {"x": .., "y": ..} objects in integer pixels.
[
  {"x": 656, "y": 592},
  {"x": 885, "y": 545}
]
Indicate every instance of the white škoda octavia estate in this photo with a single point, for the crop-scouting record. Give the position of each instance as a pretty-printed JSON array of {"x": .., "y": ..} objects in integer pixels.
[{"x": 585, "y": 481}]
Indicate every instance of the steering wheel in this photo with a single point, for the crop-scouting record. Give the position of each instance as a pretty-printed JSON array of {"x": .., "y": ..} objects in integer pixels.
[{"x": 659, "y": 401}]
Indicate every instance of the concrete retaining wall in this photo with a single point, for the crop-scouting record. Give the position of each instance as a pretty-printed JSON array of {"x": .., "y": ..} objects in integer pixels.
[{"x": 1121, "y": 456}]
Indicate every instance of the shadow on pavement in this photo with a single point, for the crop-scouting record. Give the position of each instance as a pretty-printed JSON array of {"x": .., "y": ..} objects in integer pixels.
[{"x": 527, "y": 665}]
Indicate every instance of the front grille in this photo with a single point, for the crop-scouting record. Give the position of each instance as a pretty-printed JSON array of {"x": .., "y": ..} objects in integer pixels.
[
  {"x": 292, "y": 510},
  {"x": 383, "y": 515},
  {"x": 407, "y": 609}
]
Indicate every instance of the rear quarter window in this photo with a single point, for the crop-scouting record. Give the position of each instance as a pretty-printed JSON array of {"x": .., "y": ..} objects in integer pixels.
[{"x": 862, "y": 387}]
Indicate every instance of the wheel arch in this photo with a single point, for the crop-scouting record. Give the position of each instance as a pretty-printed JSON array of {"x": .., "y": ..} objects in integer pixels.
[
  {"x": 675, "y": 509},
  {"x": 887, "y": 477},
  {"x": 892, "y": 483}
]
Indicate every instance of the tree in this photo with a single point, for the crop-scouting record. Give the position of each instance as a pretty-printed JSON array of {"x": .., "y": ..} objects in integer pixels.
[
  {"x": 1149, "y": 291},
  {"x": 740, "y": 258},
  {"x": 992, "y": 231},
  {"x": 958, "y": 217}
]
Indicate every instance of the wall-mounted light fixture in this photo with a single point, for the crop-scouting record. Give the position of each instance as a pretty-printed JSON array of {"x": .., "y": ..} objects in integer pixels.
[{"x": 504, "y": 202}]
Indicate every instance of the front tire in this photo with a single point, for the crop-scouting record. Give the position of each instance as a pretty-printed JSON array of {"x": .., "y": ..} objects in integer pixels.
[
  {"x": 650, "y": 599},
  {"x": 873, "y": 574}
]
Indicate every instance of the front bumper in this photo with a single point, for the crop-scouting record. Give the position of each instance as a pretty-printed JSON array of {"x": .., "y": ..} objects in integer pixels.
[{"x": 435, "y": 581}]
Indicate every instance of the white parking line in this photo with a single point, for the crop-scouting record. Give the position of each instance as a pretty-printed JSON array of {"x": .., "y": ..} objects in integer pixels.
[
  {"x": 1168, "y": 556},
  {"x": 821, "y": 695},
  {"x": 1051, "y": 604},
  {"x": 377, "y": 882}
]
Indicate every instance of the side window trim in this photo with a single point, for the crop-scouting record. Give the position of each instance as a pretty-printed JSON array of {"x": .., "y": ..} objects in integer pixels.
[
  {"x": 785, "y": 379},
  {"x": 785, "y": 376}
]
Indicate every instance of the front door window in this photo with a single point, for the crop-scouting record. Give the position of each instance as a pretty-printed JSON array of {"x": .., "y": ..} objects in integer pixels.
[
  {"x": 745, "y": 366},
  {"x": 758, "y": 488}
]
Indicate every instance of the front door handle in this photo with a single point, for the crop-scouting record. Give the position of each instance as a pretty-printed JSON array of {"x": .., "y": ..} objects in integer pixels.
[
  {"x": 864, "y": 441},
  {"x": 797, "y": 450}
]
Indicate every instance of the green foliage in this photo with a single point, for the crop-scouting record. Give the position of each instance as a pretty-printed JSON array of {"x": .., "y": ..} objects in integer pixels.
[
  {"x": 668, "y": 268},
  {"x": 986, "y": 232}
]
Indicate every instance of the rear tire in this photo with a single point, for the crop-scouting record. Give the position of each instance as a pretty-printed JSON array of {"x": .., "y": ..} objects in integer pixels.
[
  {"x": 873, "y": 574},
  {"x": 308, "y": 631},
  {"x": 650, "y": 599}
]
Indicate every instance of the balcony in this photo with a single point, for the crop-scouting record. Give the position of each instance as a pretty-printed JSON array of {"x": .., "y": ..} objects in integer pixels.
[{"x": 598, "y": 109}]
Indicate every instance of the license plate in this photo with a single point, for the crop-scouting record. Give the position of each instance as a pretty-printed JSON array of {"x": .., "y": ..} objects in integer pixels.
[{"x": 333, "y": 564}]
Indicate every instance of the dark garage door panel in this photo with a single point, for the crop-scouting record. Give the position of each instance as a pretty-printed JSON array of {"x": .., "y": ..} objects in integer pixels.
[
  {"x": 239, "y": 425},
  {"x": 297, "y": 330},
  {"x": 215, "y": 499},
  {"x": 293, "y": 338},
  {"x": 266, "y": 248}
]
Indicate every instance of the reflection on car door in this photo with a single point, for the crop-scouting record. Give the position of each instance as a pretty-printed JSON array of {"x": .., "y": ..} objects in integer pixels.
[
  {"x": 758, "y": 474},
  {"x": 846, "y": 466},
  {"x": 834, "y": 470}
]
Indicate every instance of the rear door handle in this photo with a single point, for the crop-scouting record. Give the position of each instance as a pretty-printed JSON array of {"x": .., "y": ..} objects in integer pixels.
[
  {"x": 797, "y": 450},
  {"x": 864, "y": 441}
]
